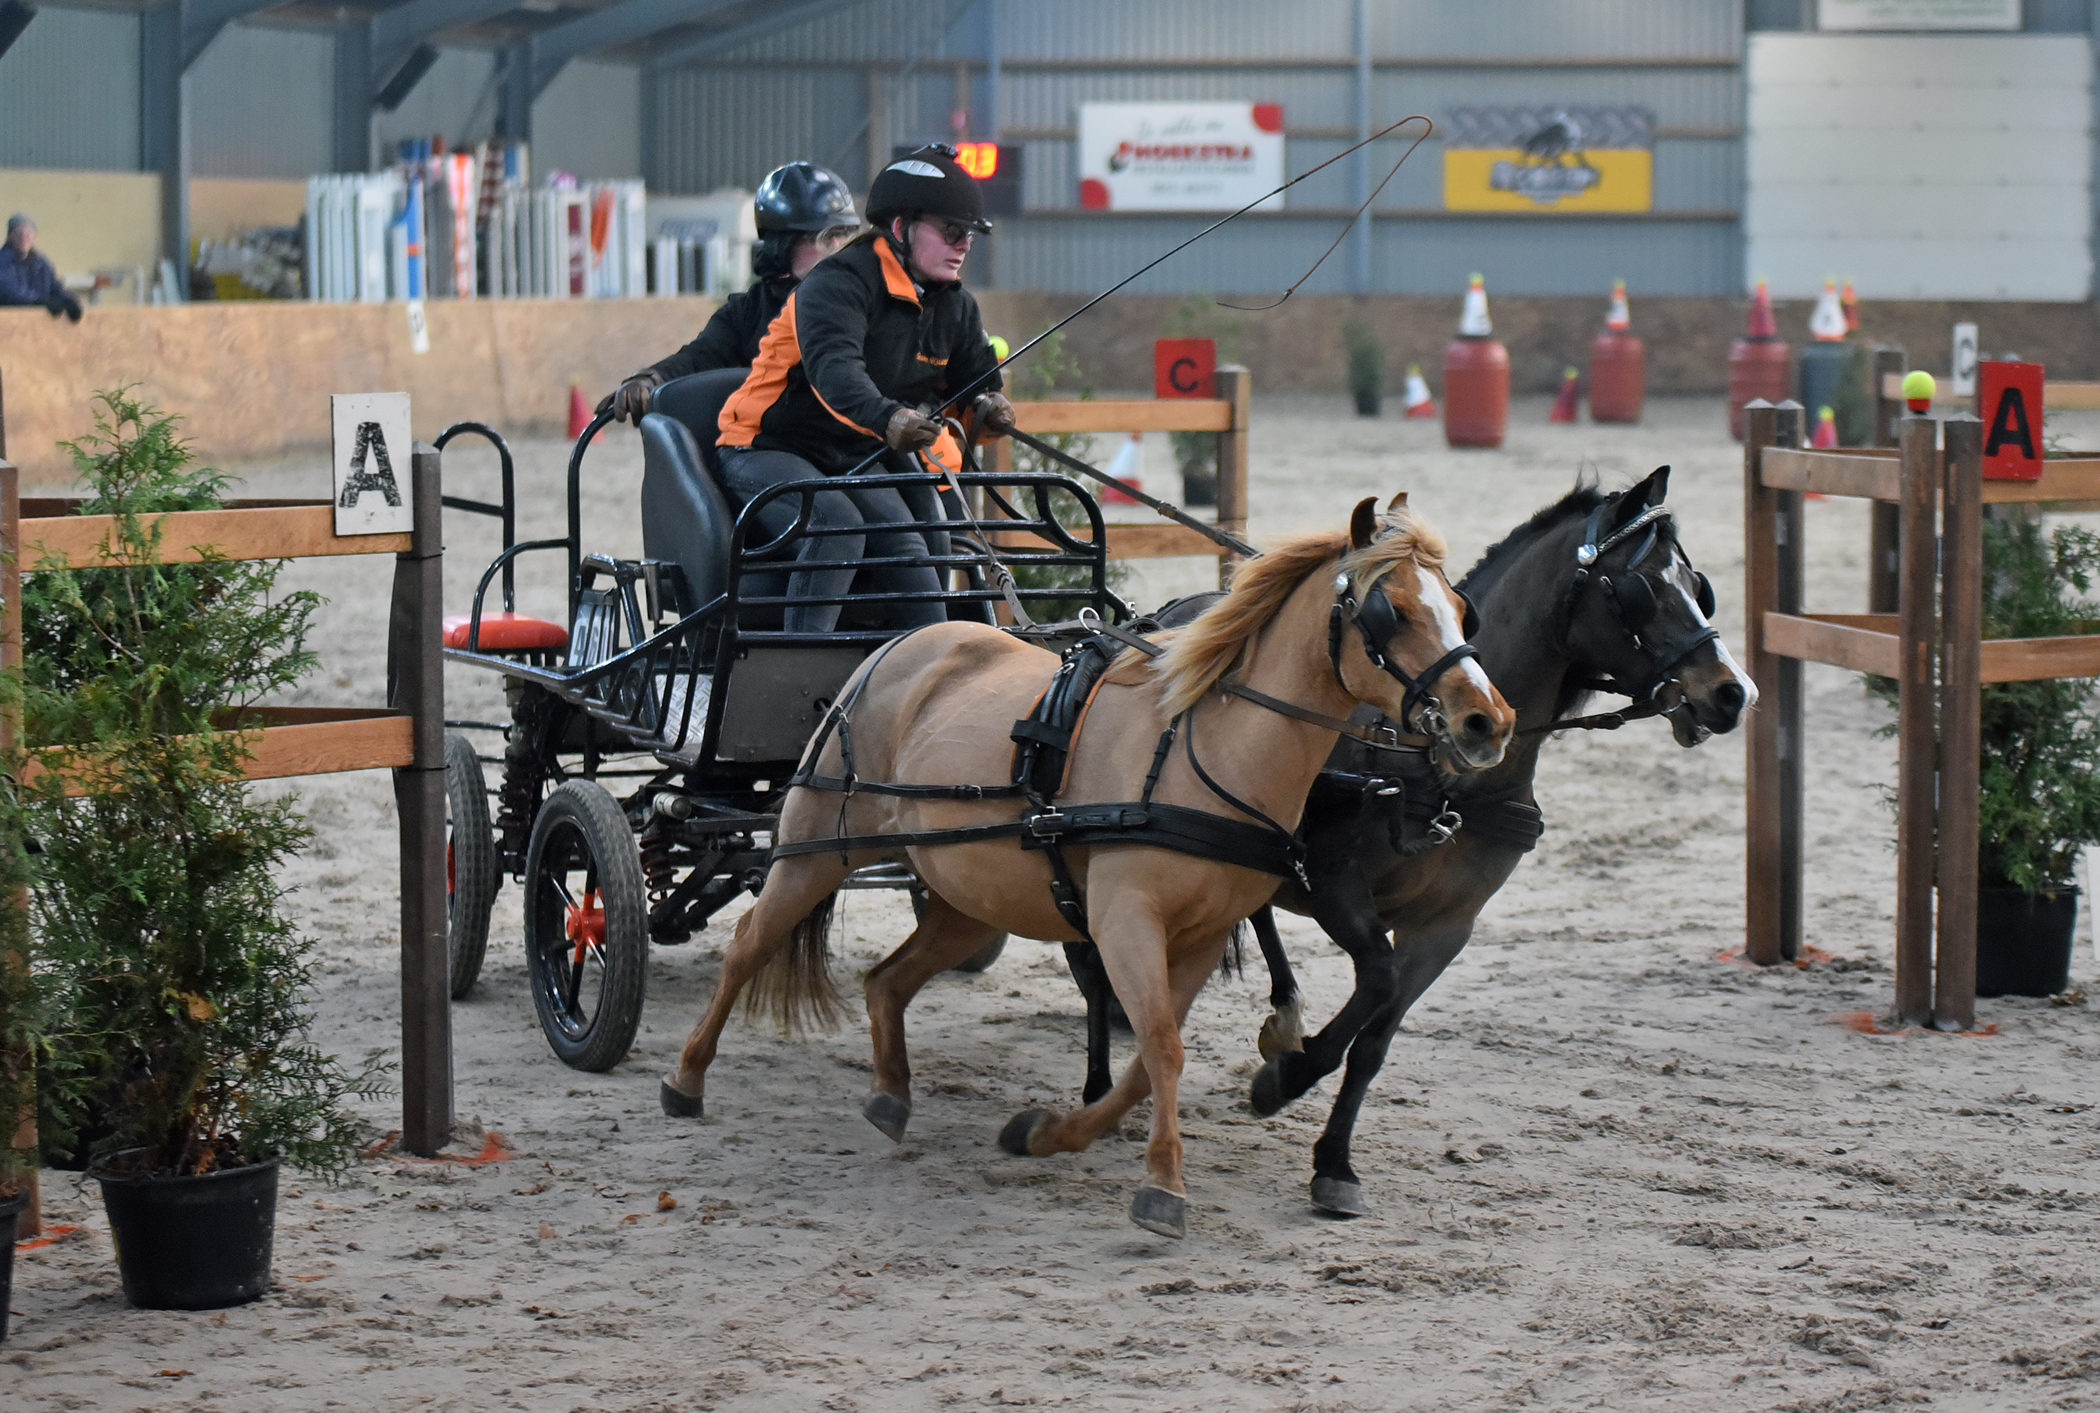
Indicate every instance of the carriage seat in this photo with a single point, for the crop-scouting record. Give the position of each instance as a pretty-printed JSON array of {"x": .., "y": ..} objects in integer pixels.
[
  {"x": 507, "y": 633},
  {"x": 685, "y": 517}
]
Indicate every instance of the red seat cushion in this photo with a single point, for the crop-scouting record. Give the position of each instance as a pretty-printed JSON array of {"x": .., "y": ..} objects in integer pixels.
[{"x": 507, "y": 633}]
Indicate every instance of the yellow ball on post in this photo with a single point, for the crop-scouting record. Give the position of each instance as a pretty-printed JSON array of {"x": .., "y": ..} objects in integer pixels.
[{"x": 1918, "y": 390}]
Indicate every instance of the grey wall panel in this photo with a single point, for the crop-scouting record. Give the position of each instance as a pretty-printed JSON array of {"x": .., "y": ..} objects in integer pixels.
[
  {"x": 1698, "y": 175},
  {"x": 1262, "y": 255},
  {"x": 729, "y": 127},
  {"x": 1172, "y": 29},
  {"x": 260, "y": 103},
  {"x": 1310, "y": 97},
  {"x": 589, "y": 122},
  {"x": 1678, "y": 29},
  {"x": 454, "y": 99},
  {"x": 1708, "y": 98},
  {"x": 69, "y": 92},
  {"x": 1559, "y": 257},
  {"x": 877, "y": 29}
]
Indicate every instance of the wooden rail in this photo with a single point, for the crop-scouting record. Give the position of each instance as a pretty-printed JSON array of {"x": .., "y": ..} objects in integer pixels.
[
  {"x": 1933, "y": 648},
  {"x": 45, "y": 534},
  {"x": 1228, "y": 414},
  {"x": 2071, "y": 397}
]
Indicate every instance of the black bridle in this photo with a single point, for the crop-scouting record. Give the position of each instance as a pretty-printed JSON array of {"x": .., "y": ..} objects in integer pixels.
[
  {"x": 1632, "y": 598},
  {"x": 1377, "y": 625}
]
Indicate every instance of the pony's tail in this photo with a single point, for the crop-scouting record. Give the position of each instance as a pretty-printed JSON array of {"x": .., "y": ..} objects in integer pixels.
[
  {"x": 796, "y": 987},
  {"x": 1234, "y": 960}
]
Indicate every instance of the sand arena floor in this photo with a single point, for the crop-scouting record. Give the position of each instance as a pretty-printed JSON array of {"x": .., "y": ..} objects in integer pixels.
[{"x": 1611, "y": 1171}]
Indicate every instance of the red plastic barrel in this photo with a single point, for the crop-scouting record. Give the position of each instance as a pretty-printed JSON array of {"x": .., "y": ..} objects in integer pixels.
[
  {"x": 1476, "y": 392},
  {"x": 1618, "y": 377},
  {"x": 1756, "y": 368}
]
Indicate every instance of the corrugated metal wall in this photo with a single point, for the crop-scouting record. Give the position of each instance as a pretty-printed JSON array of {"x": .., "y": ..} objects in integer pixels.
[
  {"x": 805, "y": 93},
  {"x": 454, "y": 98},
  {"x": 588, "y": 122},
  {"x": 260, "y": 103},
  {"x": 69, "y": 92}
]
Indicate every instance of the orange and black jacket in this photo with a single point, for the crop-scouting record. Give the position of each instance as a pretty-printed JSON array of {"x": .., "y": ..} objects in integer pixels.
[{"x": 856, "y": 341}]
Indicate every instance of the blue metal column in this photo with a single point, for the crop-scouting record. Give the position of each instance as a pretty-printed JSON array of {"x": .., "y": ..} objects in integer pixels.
[
  {"x": 1360, "y": 164},
  {"x": 352, "y": 126},
  {"x": 164, "y": 128},
  {"x": 991, "y": 69}
]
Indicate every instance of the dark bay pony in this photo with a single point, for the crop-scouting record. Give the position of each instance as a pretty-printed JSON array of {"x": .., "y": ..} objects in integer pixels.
[
  {"x": 1593, "y": 593},
  {"x": 937, "y": 709}
]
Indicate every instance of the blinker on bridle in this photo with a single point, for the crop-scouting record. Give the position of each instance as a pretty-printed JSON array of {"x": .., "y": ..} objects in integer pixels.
[
  {"x": 1377, "y": 625},
  {"x": 1632, "y": 596}
]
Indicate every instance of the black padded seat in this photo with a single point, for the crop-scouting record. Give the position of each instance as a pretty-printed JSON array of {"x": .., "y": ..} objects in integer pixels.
[
  {"x": 685, "y": 517},
  {"x": 696, "y": 400}
]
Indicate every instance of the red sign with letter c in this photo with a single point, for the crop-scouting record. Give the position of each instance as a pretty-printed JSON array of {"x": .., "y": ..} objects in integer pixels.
[{"x": 1184, "y": 368}]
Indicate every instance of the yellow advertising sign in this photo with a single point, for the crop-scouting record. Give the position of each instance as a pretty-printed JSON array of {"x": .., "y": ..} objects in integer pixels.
[{"x": 1549, "y": 160}]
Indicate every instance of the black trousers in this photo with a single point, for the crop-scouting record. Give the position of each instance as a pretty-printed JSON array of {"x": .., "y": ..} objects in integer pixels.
[{"x": 747, "y": 471}]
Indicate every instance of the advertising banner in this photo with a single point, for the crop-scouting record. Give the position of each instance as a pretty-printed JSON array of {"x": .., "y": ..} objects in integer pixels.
[
  {"x": 1547, "y": 160},
  {"x": 1179, "y": 156}
]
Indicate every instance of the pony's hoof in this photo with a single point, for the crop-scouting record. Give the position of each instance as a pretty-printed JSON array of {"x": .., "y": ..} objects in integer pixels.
[
  {"x": 1266, "y": 1093},
  {"x": 1279, "y": 1033},
  {"x": 1019, "y": 1129},
  {"x": 1160, "y": 1211},
  {"x": 888, "y": 1113},
  {"x": 1339, "y": 1197},
  {"x": 681, "y": 1105}
]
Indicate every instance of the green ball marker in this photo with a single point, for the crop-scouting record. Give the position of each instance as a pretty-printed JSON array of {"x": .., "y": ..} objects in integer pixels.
[{"x": 1918, "y": 388}]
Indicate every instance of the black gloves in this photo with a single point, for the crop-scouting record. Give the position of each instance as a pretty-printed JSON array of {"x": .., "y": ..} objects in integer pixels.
[{"x": 62, "y": 301}]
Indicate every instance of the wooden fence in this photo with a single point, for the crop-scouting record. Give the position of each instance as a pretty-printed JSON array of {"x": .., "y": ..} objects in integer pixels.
[
  {"x": 407, "y": 735},
  {"x": 1934, "y": 651}
]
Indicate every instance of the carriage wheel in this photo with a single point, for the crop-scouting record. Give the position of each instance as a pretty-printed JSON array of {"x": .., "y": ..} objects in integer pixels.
[
  {"x": 471, "y": 874},
  {"x": 586, "y": 926}
]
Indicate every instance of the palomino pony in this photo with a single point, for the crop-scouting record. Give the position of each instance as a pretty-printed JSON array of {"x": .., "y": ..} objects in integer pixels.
[
  {"x": 1310, "y": 631},
  {"x": 1593, "y": 593}
]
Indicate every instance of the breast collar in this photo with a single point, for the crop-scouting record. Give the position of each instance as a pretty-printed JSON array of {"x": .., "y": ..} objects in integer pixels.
[{"x": 1632, "y": 598}]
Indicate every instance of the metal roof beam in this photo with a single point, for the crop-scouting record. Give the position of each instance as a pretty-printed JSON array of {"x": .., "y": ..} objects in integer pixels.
[
  {"x": 397, "y": 32},
  {"x": 203, "y": 19},
  {"x": 624, "y": 23},
  {"x": 786, "y": 17}
]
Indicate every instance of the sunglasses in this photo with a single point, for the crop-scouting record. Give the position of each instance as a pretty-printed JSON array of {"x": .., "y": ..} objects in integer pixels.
[{"x": 952, "y": 234}]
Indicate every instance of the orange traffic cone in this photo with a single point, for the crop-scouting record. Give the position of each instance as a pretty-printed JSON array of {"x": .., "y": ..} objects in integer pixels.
[
  {"x": 1826, "y": 433},
  {"x": 1126, "y": 466},
  {"x": 1850, "y": 303},
  {"x": 579, "y": 412},
  {"x": 1419, "y": 402},
  {"x": 1761, "y": 324},
  {"x": 1564, "y": 406}
]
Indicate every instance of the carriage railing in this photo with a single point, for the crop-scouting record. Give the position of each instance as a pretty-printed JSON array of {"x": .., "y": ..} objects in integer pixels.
[
  {"x": 653, "y": 683},
  {"x": 506, "y": 513}
]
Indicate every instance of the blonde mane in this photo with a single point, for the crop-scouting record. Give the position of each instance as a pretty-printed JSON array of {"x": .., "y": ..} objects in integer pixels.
[{"x": 1207, "y": 649}]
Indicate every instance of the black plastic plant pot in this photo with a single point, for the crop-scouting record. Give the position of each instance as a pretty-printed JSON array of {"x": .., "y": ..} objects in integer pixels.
[
  {"x": 193, "y": 1243},
  {"x": 1367, "y": 401},
  {"x": 2023, "y": 941},
  {"x": 10, "y": 1211}
]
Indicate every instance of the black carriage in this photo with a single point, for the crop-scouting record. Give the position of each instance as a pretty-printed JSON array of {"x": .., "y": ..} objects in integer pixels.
[{"x": 650, "y": 740}]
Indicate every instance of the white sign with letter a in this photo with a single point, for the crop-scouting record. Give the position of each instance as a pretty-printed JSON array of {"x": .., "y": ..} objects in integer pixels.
[{"x": 373, "y": 464}]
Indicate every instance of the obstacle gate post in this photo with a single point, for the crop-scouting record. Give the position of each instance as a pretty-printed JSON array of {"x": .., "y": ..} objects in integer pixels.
[
  {"x": 416, "y": 683},
  {"x": 1883, "y": 516},
  {"x": 1771, "y": 536},
  {"x": 1234, "y": 385},
  {"x": 1915, "y": 807},
  {"x": 1789, "y": 430},
  {"x": 22, "y": 1132},
  {"x": 1961, "y": 721}
]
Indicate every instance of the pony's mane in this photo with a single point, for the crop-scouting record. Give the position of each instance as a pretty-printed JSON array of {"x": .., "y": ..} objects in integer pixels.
[
  {"x": 1207, "y": 649},
  {"x": 1584, "y": 498}
]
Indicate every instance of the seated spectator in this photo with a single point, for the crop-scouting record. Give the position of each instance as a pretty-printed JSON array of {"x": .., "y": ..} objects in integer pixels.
[{"x": 26, "y": 277}]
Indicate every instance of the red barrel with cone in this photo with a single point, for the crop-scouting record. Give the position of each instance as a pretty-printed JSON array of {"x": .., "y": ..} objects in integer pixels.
[
  {"x": 1758, "y": 365},
  {"x": 1476, "y": 377},
  {"x": 1618, "y": 365}
]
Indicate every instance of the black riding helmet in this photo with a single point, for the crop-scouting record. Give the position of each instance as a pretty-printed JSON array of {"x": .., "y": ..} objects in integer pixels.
[
  {"x": 927, "y": 183},
  {"x": 803, "y": 197}
]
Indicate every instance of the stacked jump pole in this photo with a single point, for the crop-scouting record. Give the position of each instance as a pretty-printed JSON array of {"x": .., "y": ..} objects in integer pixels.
[
  {"x": 407, "y": 735},
  {"x": 1931, "y": 645}
]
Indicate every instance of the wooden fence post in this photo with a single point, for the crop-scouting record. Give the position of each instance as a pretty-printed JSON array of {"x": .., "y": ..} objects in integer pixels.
[
  {"x": 23, "y": 1138},
  {"x": 1789, "y": 430},
  {"x": 1961, "y": 721},
  {"x": 1234, "y": 385},
  {"x": 415, "y": 651},
  {"x": 1884, "y": 518},
  {"x": 1764, "y": 929},
  {"x": 1915, "y": 809}
]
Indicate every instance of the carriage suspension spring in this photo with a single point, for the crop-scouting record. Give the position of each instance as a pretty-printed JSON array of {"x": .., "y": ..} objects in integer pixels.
[
  {"x": 657, "y": 868},
  {"x": 525, "y": 769}
]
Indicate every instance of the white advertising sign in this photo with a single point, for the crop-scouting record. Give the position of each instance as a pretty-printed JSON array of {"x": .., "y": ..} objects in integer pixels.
[
  {"x": 373, "y": 464},
  {"x": 1179, "y": 156},
  {"x": 1918, "y": 14}
]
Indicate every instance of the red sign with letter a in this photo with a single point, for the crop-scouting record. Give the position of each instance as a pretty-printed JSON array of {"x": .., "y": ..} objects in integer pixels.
[
  {"x": 1184, "y": 367},
  {"x": 2009, "y": 398}
]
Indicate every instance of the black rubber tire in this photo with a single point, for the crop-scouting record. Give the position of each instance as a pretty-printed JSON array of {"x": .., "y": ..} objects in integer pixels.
[
  {"x": 590, "y": 1011},
  {"x": 472, "y": 875}
]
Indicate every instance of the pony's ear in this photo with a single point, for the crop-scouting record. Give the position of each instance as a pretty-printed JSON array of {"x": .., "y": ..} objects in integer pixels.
[
  {"x": 1363, "y": 522},
  {"x": 1643, "y": 495},
  {"x": 1397, "y": 504}
]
